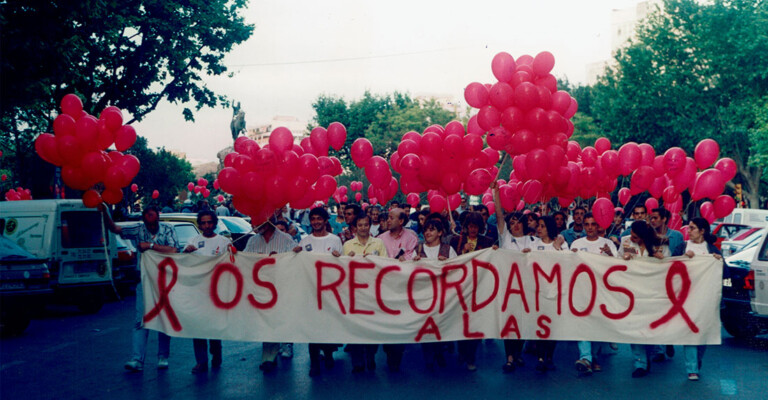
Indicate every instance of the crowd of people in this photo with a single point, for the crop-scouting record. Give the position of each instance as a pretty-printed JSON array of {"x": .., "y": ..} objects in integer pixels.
[{"x": 401, "y": 233}]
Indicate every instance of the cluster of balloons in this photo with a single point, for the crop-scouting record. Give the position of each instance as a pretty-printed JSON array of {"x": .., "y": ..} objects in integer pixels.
[
  {"x": 262, "y": 180},
  {"x": 78, "y": 146},
  {"x": 201, "y": 187},
  {"x": 443, "y": 161},
  {"x": 17, "y": 194},
  {"x": 383, "y": 186}
]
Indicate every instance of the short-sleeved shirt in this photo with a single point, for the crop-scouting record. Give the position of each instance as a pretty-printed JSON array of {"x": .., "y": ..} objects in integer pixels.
[
  {"x": 210, "y": 246},
  {"x": 541, "y": 246},
  {"x": 406, "y": 242},
  {"x": 699, "y": 249},
  {"x": 373, "y": 246},
  {"x": 280, "y": 242},
  {"x": 571, "y": 235},
  {"x": 321, "y": 244},
  {"x": 433, "y": 252},
  {"x": 138, "y": 233},
  {"x": 509, "y": 242},
  {"x": 594, "y": 246}
]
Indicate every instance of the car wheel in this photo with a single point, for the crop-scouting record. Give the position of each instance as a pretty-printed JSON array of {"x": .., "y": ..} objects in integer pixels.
[{"x": 739, "y": 324}]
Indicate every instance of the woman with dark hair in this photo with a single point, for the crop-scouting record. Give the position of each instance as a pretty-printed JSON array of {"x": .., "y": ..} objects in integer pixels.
[
  {"x": 700, "y": 242},
  {"x": 561, "y": 221},
  {"x": 547, "y": 233},
  {"x": 531, "y": 223},
  {"x": 641, "y": 242}
]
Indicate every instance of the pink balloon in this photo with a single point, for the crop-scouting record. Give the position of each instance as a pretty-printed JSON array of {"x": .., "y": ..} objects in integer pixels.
[
  {"x": 629, "y": 158},
  {"x": 728, "y": 167},
  {"x": 503, "y": 66},
  {"x": 377, "y": 171},
  {"x": 125, "y": 137},
  {"x": 454, "y": 201},
  {"x": 318, "y": 137},
  {"x": 624, "y": 196},
  {"x": 602, "y": 209},
  {"x": 651, "y": 204},
  {"x": 609, "y": 161},
  {"x": 641, "y": 179},
  {"x": 410, "y": 165},
  {"x": 647, "y": 155},
  {"x": 281, "y": 140},
  {"x": 155, "y": 194},
  {"x": 361, "y": 152},
  {"x": 454, "y": 128},
  {"x": 358, "y": 197},
  {"x": 134, "y": 188},
  {"x": 476, "y": 95},
  {"x": 708, "y": 184},
  {"x": 220, "y": 198},
  {"x": 723, "y": 206},
  {"x": 478, "y": 181},
  {"x": 450, "y": 182},
  {"x": 437, "y": 203},
  {"x": 674, "y": 161},
  {"x": 674, "y": 207},
  {"x": 537, "y": 163},
  {"x": 543, "y": 63},
  {"x": 532, "y": 191},
  {"x": 502, "y": 95},
  {"x": 708, "y": 211},
  {"x": 687, "y": 177},
  {"x": 413, "y": 199},
  {"x": 337, "y": 135},
  {"x": 706, "y": 153},
  {"x": 602, "y": 145},
  {"x": 589, "y": 156},
  {"x": 488, "y": 117}
]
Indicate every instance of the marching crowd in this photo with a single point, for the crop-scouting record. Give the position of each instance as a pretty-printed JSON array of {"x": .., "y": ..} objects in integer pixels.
[{"x": 404, "y": 234}]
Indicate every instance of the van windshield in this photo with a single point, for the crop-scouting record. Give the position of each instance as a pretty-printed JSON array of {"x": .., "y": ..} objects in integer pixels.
[{"x": 81, "y": 229}]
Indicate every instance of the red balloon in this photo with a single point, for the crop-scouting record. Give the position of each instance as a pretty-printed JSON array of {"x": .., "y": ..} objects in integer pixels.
[
  {"x": 522, "y": 142},
  {"x": 674, "y": 161},
  {"x": 503, "y": 66},
  {"x": 706, "y": 152},
  {"x": 603, "y": 212},
  {"x": 454, "y": 128},
  {"x": 358, "y": 197},
  {"x": 74, "y": 177},
  {"x": 309, "y": 167},
  {"x": 476, "y": 95},
  {"x": 543, "y": 63},
  {"x": 532, "y": 191},
  {"x": 106, "y": 137},
  {"x": 229, "y": 180},
  {"x": 134, "y": 188},
  {"x": 473, "y": 127},
  {"x": 723, "y": 206},
  {"x": 265, "y": 161},
  {"x": 658, "y": 185},
  {"x": 641, "y": 179},
  {"x": 471, "y": 146},
  {"x": 410, "y": 165},
  {"x": 728, "y": 167},
  {"x": 629, "y": 158},
  {"x": 502, "y": 95},
  {"x": 412, "y": 199},
  {"x": 589, "y": 156},
  {"x": 87, "y": 132},
  {"x": 624, "y": 196},
  {"x": 651, "y": 204},
  {"x": 687, "y": 177},
  {"x": 112, "y": 117},
  {"x": 407, "y": 146},
  {"x": 488, "y": 117},
  {"x": 602, "y": 145},
  {"x": 493, "y": 156},
  {"x": 72, "y": 105},
  {"x": 155, "y": 194},
  {"x": 609, "y": 161},
  {"x": 498, "y": 138},
  {"x": 438, "y": 203},
  {"x": 537, "y": 163},
  {"x": 708, "y": 211},
  {"x": 361, "y": 152},
  {"x": 70, "y": 149},
  {"x": 91, "y": 198},
  {"x": 647, "y": 155},
  {"x": 337, "y": 135},
  {"x": 112, "y": 195},
  {"x": 281, "y": 140},
  {"x": 708, "y": 184},
  {"x": 319, "y": 140},
  {"x": 526, "y": 96},
  {"x": 276, "y": 188},
  {"x": 130, "y": 165},
  {"x": 94, "y": 165},
  {"x": 431, "y": 143},
  {"x": 190, "y": 186},
  {"x": 64, "y": 125},
  {"x": 47, "y": 148},
  {"x": 377, "y": 171},
  {"x": 125, "y": 137}
]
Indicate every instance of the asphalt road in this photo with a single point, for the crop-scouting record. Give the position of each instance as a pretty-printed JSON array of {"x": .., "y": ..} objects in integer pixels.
[{"x": 70, "y": 355}]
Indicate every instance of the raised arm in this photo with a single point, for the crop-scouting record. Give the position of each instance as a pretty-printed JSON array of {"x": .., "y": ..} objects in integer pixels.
[{"x": 499, "y": 209}]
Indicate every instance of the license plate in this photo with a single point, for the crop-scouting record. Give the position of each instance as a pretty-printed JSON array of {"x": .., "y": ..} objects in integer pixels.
[
  {"x": 12, "y": 285},
  {"x": 85, "y": 267}
]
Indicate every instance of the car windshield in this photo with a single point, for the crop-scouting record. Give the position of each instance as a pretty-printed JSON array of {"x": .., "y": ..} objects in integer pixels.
[
  {"x": 81, "y": 229},
  {"x": 237, "y": 225},
  {"x": 11, "y": 251},
  {"x": 184, "y": 232}
]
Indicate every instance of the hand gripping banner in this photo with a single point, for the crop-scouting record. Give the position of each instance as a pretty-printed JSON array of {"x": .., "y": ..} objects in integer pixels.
[{"x": 486, "y": 294}]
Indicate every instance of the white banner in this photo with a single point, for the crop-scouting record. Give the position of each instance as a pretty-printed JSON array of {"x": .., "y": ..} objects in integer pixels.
[{"x": 487, "y": 294}]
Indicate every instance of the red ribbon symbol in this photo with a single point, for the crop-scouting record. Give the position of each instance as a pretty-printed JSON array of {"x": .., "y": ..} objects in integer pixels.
[
  {"x": 164, "y": 303},
  {"x": 677, "y": 268}
]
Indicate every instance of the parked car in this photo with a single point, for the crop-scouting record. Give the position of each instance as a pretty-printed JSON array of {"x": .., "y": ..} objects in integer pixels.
[
  {"x": 239, "y": 229},
  {"x": 25, "y": 287},
  {"x": 747, "y": 216},
  {"x": 71, "y": 239},
  {"x": 725, "y": 231},
  {"x": 221, "y": 227},
  {"x": 125, "y": 272},
  {"x": 743, "y": 239},
  {"x": 756, "y": 282}
]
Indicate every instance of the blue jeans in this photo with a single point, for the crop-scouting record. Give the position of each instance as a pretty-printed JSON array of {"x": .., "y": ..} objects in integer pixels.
[
  {"x": 201, "y": 351},
  {"x": 642, "y": 354},
  {"x": 693, "y": 356},
  {"x": 140, "y": 335},
  {"x": 587, "y": 349}
]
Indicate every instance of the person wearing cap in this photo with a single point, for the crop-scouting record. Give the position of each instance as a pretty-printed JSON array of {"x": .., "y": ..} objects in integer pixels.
[{"x": 270, "y": 241}]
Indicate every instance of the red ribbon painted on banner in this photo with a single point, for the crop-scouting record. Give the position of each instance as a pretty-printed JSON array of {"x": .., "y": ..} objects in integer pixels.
[
  {"x": 164, "y": 302},
  {"x": 677, "y": 300}
]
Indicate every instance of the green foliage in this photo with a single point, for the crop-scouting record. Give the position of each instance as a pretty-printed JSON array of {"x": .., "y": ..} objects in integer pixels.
[
  {"x": 128, "y": 54},
  {"x": 174, "y": 176},
  {"x": 696, "y": 70}
]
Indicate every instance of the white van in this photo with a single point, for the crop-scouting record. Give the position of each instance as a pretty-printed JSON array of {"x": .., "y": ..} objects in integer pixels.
[
  {"x": 747, "y": 216},
  {"x": 757, "y": 279},
  {"x": 72, "y": 240}
]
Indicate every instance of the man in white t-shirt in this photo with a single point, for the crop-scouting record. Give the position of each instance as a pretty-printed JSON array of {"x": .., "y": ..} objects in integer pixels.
[
  {"x": 207, "y": 243},
  {"x": 322, "y": 242},
  {"x": 592, "y": 243}
]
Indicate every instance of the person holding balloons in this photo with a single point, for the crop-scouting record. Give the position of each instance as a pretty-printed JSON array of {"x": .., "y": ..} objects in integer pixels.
[{"x": 701, "y": 242}]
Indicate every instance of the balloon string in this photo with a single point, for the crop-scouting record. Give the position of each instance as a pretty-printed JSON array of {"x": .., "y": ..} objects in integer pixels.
[{"x": 504, "y": 158}]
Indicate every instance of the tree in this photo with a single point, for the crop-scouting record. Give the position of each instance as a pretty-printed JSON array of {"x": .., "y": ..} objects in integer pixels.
[
  {"x": 174, "y": 176},
  {"x": 696, "y": 70},
  {"x": 128, "y": 54}
]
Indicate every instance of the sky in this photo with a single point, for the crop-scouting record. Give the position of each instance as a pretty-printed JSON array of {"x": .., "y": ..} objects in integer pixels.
[{"x": 302, "y": 49}]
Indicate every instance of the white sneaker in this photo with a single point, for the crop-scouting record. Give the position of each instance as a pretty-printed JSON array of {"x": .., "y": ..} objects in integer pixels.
[
  {"x": 162, "y": 363},
  {"x": 286, "y": 350},
  {"x": 134, "y": 366}
]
